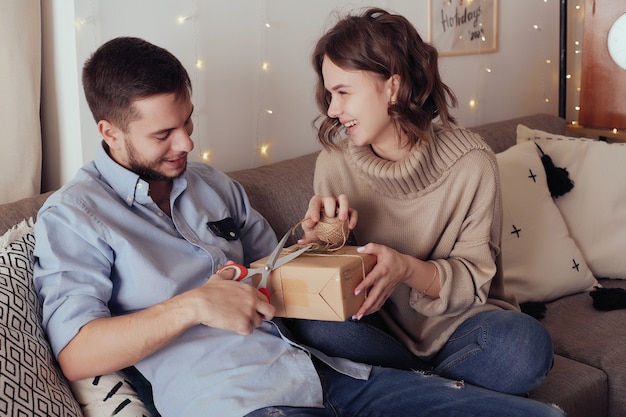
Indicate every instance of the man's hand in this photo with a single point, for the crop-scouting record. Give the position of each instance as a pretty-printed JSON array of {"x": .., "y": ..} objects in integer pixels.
[
  {"x": 231, "y": 305},
  {"x": 125, "y": 340}
]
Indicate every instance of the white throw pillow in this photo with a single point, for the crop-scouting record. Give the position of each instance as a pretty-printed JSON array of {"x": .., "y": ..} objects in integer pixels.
[
  {"x": 540, "y": 261},
  {"x": 109, "y": 395},
  {"x": 595, "y": 209}
]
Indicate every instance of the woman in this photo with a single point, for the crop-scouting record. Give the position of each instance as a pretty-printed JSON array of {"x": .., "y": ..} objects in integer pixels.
[{"x": 427, "y": 199}]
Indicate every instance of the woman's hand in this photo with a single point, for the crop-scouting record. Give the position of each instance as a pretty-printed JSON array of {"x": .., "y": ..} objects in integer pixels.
[
  {"x": 330, "y": 207},
  {"x": 392, "y": 269}
]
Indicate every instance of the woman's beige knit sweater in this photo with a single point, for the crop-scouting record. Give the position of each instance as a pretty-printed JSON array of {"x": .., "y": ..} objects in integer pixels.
[{"x": 441, "y": 204}]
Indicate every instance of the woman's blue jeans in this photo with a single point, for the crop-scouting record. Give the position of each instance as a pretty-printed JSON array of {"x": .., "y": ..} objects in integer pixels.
[
  {"x": 404, "y": 393},
  {"x": 505, "y": 351}
]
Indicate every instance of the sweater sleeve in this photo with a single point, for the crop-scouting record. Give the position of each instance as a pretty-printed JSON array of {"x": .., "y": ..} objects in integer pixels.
[{"x": 469, "y": 273}]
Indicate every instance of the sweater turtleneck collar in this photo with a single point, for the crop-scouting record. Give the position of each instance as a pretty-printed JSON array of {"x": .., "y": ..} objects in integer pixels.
[{"x": 425, "y": 164}]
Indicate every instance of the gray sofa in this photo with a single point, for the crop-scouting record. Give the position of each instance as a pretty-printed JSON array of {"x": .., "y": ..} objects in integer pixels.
[{"x": 589, "y": 374}]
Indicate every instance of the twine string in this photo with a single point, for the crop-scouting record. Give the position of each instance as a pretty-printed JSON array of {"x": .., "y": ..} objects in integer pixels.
[
  {"x": 330, "y": 230},
  {"x": 334, "y": 233}
]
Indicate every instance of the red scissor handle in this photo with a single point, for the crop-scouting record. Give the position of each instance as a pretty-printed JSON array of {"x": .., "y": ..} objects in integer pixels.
[
  {"x": 241, "y": 272},
  {"x": 265, "y": 292}
]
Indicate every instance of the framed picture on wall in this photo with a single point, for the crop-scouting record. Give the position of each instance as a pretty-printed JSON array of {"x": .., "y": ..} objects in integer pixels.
[{"x": 463, "y": 27}]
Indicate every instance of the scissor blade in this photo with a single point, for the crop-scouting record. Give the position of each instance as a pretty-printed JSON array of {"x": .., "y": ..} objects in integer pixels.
[
  {"x": 271, "y": 261},
  {"x": 283, "y": 260}
]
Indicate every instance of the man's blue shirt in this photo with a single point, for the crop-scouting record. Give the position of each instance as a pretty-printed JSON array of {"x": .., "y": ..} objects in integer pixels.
[{"x": 103, "y": 248}]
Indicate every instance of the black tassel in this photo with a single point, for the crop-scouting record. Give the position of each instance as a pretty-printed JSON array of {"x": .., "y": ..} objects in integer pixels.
[
  {"x": 558, "y": 179},
  {"x": 607, "y": 299},
  {"x": 534, "y": 309}
]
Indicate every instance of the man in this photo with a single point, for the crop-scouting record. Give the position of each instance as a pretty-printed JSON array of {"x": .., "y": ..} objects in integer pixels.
[{"x": 126, "y": 256}]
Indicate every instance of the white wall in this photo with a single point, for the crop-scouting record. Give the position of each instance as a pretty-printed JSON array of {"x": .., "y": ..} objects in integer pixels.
[
  {"x": 60, "y": 95},
  {"x": 232, "y": 93}
]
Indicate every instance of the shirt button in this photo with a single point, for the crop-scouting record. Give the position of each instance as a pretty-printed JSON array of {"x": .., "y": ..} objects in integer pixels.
[
  {"x": 139, "y": 186},
  {"x": 129, "y": 199},
  {"x": 160, "y": 213}
]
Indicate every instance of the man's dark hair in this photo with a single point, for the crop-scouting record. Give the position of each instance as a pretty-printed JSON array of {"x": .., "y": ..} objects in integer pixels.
[{"x": 126, "y": 69}]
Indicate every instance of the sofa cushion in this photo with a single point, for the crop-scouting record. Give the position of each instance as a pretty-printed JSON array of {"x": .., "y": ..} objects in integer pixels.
[
  {"x": 595, "y": 209},
  {"x": 31, "y": 383},
  {"x": 13, "y": 213},
  {"x": 540, "y": 261},
  {"x": 501, "y": 135},
  {"x": 280, "y": 191},
  {"x": 579, "y": 389},
  {"x": 593, "y": 337}
]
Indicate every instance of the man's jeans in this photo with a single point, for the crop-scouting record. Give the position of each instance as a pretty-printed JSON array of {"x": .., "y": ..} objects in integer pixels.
[
  {"x": 400, "y": 393},
  {"x": 504, "y": 351}
]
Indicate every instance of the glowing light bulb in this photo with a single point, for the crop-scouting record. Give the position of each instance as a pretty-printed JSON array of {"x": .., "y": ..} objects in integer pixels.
[
  {"x": 615, "y": 131},
  {"x": 269, "y": 111},
  {"x": 264, "y": 149},
  {"x": 206, "y": 155},
  {"x": 473, "y": 103},
  {"x": 199, "y": 64},
  {"x": 79, "y": 23},
  {"x": 265, "y": 66},
  {"x": 182, "y": 19}
]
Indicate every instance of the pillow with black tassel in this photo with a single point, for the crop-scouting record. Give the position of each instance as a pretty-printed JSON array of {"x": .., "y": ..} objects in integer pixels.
[
  {"x": 607, "y": 299},
  {"x": 559, "y": 182}
]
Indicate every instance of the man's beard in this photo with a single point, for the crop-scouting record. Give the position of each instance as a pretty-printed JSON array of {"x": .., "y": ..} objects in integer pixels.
[{"x": 144, "y": 171}]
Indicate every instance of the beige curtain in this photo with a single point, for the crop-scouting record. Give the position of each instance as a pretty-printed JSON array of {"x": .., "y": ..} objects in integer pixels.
[{"x": 20, "y": 82}]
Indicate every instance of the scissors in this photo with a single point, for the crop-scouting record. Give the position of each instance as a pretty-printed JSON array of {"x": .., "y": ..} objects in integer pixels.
[{"x": 273, "y": 262}]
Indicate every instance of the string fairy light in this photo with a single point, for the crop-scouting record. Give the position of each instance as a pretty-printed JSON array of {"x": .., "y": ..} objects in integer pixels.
[
  {"x": 79, "y": 23},
  {"x": 199, "y": 65},
  {"x": 264, "y": 149},
  {"x": 262, "y": 144},
  {"x": 575, "y": 18}
]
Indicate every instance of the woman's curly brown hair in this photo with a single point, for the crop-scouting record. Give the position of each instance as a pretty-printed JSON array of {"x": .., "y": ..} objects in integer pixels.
[{"x": 386, "y": 44}]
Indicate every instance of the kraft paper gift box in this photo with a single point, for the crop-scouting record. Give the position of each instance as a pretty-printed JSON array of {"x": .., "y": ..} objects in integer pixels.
[{"x": 318, "y": 286}]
